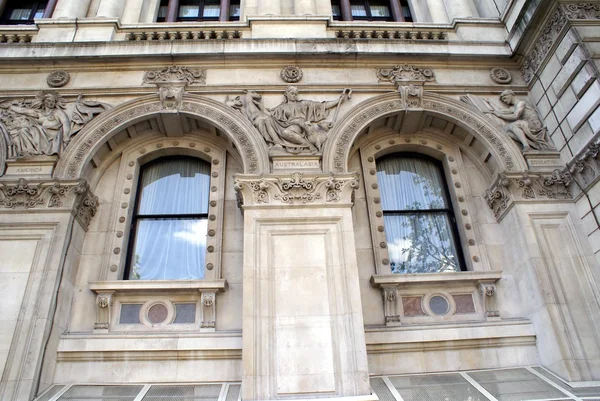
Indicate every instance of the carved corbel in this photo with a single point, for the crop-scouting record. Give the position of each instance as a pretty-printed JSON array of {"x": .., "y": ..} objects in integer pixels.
[
  {"x": 488, "y": 298},
  {"x": 208, "y": 304},
  {"x": 391, "y": 307},
  {"x": 104, "y": 302}
]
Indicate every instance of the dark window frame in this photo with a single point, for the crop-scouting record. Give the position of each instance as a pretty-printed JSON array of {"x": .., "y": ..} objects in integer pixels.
[
  {"x": 34, "y": 6},
  {"x": 137, "y": 216},
  {"x": 367, "y": 5},
  {"x": 202, "y": 3},
  {"x": 448, "y": 211}
]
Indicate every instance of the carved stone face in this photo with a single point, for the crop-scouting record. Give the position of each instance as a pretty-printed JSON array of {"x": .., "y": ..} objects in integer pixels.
[
  {"x": 49, "y": 102},
  {"x": 292, "y": 94},
  {"x": 507, "y": 98}
]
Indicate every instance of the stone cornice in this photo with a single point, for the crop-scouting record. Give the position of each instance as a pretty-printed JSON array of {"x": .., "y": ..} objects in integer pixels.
[
  {"x": 49, "y": 195},
  {"x": 295, "y": 189}
]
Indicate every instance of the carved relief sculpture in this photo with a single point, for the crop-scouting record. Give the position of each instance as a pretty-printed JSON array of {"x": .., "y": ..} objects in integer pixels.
[
  {"x": 500, "y": 76},
  {"x": 404, "y": 73},
  {"x": 58, "y": 79},
  {"x": 43, "y": 126},
  {"x": 519, "y": 119},
  {"x": 291, "y": 74},
  {"x": 295, "y": 126},
  {"x": 172, "y": 81}
]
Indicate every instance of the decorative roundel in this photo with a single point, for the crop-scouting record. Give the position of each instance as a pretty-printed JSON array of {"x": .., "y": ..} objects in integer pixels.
[
  {"x": 58, "y": 79},
  {"x": 500, "y": 76},
  {"x": 158, "y": 313},
  {"x": 439, "y": 305},
  {"x": 291, "y": 74}
]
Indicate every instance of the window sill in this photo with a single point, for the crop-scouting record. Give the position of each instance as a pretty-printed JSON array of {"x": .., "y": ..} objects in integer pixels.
[
  {"x": 484, "y": 277},
  {"x": 131, "y": 286}
]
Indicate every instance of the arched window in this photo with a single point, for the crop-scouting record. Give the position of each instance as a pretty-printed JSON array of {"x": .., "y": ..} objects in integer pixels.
[
  {"x": 168, "y": 232},
  {"x": 418, "y": 218}
]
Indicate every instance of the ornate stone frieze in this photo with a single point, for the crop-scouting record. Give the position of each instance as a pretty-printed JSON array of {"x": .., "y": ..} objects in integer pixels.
[
  {"x": 293, "y": 127},
  {"x": 172, "y": 82},
  {"x": 291, "y": 74},
  {"x": 552, "y": 30},
  {"x": 509, "y": 188},
  {"x": 295, "y": 189},
  {"x": 42, "y": 126},
  {"x": 501, "y": 76},
  {"x": 58, "y": 79},
  {"x": 405, "y": 73},
  {"x": 70, "y": 195}
]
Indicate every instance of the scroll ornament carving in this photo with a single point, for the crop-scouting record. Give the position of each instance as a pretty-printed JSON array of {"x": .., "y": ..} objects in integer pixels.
[
  {"x": 76, "y": 196},
  {"x": 171, "y": 83},
  {"x": 42, "y": 126},
  {"x": 405, "y": 73},
  {"x": 295, "y": 190},
  {"x": 519, "y": 119},
  {"x": 527, "y": 186},
  {"x": 294, "y": 126},
  {"x": 552, "y": 30}
]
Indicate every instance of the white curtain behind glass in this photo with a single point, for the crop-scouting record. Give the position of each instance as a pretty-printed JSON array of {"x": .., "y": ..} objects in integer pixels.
[
  {"x": 168, "y": 248},
  {"x": 420, "y": 242}
]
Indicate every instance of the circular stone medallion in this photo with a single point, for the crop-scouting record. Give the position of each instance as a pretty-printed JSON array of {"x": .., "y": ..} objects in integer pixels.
[
  {"x": 157, "y": 313},
  {"x": 500, "y": 76},
  {"x": 439, "y": 305},
  {"x": 291, "y": 74},
  {"x": 58, "y": 79}
]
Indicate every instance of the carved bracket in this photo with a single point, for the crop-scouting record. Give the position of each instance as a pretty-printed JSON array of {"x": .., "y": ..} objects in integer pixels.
[
  {"x": 68, "y": 195},
  {"x": 208, "y": 303},
  {"x": 104, "y": 302},
  {"x": 488, "y": 298},
  {"x": 295, "y": 189},
  {"x": 391, "y": 309},
  {"x": 519, "y": 187},
  {"x": 585, "y": 167}
]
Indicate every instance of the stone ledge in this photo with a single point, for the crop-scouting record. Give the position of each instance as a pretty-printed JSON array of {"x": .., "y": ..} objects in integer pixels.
[
  {"x": 437, "y": 278},
  {"x": 132, "y": 286}
]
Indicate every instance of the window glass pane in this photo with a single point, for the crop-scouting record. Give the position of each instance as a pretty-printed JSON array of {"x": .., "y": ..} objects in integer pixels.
[
  {"x": 335, "y": 10},
  {"x": 406, "y": 13},
  {"x": 358, "y": 10},
  {"x": 189, "y": 11},
  {"x": 162, "y": 12},
  {"x": 211, "y": 11},
  {"x": 175, "y": 186},
  {"x": 20, "y": 14},
  {"x": 380, "y": 11},
  {"x": 420, "y": 243},
  {"x": 409, "y": 183},
  {"x": 169, "y": 249},
  {"x": 234, "y": 10}
]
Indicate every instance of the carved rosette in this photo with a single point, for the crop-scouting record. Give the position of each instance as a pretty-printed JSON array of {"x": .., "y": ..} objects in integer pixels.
[
  {"x": 295, "y": 189},
  {"x": 75, "y": 196},
  {"x": 172, "y": 82},
  {"x": 521, "y": 187}
]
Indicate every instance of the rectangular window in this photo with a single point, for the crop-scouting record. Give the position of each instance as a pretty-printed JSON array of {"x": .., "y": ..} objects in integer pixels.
[{"x": 19, "y": 12}]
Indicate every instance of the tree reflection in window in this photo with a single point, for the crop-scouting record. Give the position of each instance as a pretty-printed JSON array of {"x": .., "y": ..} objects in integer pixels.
[{"x": 418, "y": 218}]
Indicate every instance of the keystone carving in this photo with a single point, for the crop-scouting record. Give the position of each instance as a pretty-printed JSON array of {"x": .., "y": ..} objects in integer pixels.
[
  {"x": 171, "y": 83},
  {"x": 42, "y": 126},
  {"x": 293, "y": 127},
  {"x": 295, "y": 189},
  {"x": 526, "y": 186},
  {"x": 519, "y": 119},
  {"x": 71, "y": 195},
  {"x": 405, "y": 73}
]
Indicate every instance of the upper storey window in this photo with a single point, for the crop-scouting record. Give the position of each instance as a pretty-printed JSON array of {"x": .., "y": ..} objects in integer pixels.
[
  {"x": 168, "y": 240},
  {"x": 198, "y": 10},
  {"x": 22, "y": 12},
  {"x": 371, "y": 10},
  {"x": 419, "y": 221}
]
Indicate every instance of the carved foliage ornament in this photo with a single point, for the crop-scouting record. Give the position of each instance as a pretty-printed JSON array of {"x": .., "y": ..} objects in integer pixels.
[
  {"x": 76, "y": 196},
  {"x": 403, "y": 73},
  {"x": 552, "y": 30},
  {"x": 295, "y": 190},
  {"x": 526, "y": 186},
  {"x": 291, "y": 74},
  {"x": 58, "y": 79}
]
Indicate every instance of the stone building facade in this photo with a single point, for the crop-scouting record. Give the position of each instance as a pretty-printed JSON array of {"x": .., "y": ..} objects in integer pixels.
[{"x": 209, "y": 199}]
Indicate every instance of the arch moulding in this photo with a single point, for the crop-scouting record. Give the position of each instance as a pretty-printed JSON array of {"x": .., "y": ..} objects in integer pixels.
[
  {"x": 337, "y": 148},
  {"x": 83, "y": 147}
]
